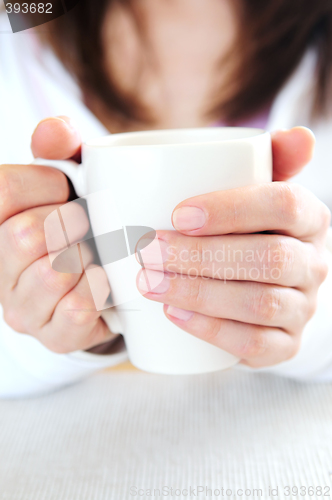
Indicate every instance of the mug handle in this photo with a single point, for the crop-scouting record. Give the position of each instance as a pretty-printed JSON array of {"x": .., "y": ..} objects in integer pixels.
[{"x": 75, "y": 173}]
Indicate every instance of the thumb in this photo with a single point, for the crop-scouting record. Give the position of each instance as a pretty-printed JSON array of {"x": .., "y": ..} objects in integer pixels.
[
  {"x": 56, "y": 139},
  {"x": 292, "y": 150}
]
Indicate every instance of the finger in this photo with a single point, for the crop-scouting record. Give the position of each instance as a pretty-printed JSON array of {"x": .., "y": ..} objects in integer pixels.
[
  {"x": 76, "y": 324},
  {"x": 292, "y": 150},
  {"x": 265, "y": 258},
  {"x": 247, "y": 302},
  {"x": 56, "y": 138},
  {"x": 256, "y": 346},
  {"x": 39, "y": 289},
  {"x": 286, "y": 208},
  {"x": 23, "y": 239},
  {"x": 27, "y": 186}
]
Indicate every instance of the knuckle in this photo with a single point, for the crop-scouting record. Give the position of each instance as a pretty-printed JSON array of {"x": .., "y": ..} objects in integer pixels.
[
  {"x": 79, "y": 311},
  {"x": 293, "y": 349},
  {"x": 198, "y": 292},
  {"x": 198, "y": 256},
  {"x": 317, "y": 267},
  {"x": 52, "y": 280},
  {"x": 280, "y": 259},
  {"x": 235, "y": 214},
  {"x": 322, "y": 270},
  {"x": 233, "y": 210},
  {"x": 255, "y": 343},
  {"x": 289, "y": 203},
  {"x": 26, "y": 234},
  {"x": 11, "y": 186},
  {"x": 265, "y": 303},
  {"x": 212, "y": 334},
  {"x": 6, "y": 189},
  {"x": 325, "y": 217},
  {"x": 58, "y": 182},
  {"x": 13, "y": 319},
  {"x": 10, "y": 183},
  {"x": 311, "y": 307},
  {"x": 4, "y": 184},
  {"x": 233, "y": 206}
]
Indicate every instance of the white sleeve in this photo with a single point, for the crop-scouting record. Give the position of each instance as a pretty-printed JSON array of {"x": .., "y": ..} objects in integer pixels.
[
  {"x": 28, "y": 369},
  {"x": 314, "y": 360}
]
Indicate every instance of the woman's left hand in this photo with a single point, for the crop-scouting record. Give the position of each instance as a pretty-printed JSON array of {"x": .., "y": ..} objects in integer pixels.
[{"x": 243, "y": 269}]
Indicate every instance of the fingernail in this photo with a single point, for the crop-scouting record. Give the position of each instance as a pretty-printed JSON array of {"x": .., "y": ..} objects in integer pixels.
[
  {"x": 177, "y": 313},
  {"x": 69, "y": 121},
  {"x": 153, "y": 281},
  {"x": 188, "y": 218},
  {"x": 281, "y": 130},
  {"x": 153, "y": 252},
  {"x": 48, "y": 122}
]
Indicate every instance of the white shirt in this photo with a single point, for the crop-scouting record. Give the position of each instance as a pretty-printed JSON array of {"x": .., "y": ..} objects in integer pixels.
[{"x": 33, "y": 86}]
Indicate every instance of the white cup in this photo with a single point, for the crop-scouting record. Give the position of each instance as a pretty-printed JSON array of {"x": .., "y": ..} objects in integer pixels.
[{"x": 143, "y": 176}]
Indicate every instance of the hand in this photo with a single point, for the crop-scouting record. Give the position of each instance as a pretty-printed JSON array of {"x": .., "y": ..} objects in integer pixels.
[
  {"x": 243, "y": 269},
  {"x": 55, "y": 308}
]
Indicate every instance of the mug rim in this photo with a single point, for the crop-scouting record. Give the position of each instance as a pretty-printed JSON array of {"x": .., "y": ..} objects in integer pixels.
[{"x": 107, "y": 140}]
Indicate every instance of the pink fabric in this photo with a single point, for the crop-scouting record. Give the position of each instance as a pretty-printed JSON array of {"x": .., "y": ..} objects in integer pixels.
[{"x": 258, "y": 120}]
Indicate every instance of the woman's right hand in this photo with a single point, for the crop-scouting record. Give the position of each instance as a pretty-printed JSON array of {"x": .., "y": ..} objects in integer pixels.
[{"x": 55, "y": 308}]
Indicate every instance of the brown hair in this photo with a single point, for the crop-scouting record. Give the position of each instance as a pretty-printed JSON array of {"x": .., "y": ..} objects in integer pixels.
[{"x": 273, "y": 36}]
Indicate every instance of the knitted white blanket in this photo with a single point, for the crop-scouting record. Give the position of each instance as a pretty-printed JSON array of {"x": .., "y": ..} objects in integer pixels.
[{"x": 122, "y": 435}]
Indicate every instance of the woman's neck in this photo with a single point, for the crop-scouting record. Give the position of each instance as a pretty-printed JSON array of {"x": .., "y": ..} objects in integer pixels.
[{"x": 167, "y": 54}]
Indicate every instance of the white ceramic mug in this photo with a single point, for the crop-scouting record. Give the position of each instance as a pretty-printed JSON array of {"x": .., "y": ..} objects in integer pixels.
[{"x": 148, "y": 174}]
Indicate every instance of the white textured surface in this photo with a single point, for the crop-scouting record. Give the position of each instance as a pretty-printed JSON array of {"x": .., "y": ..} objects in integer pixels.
[{"x": 95, "y": 440}]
